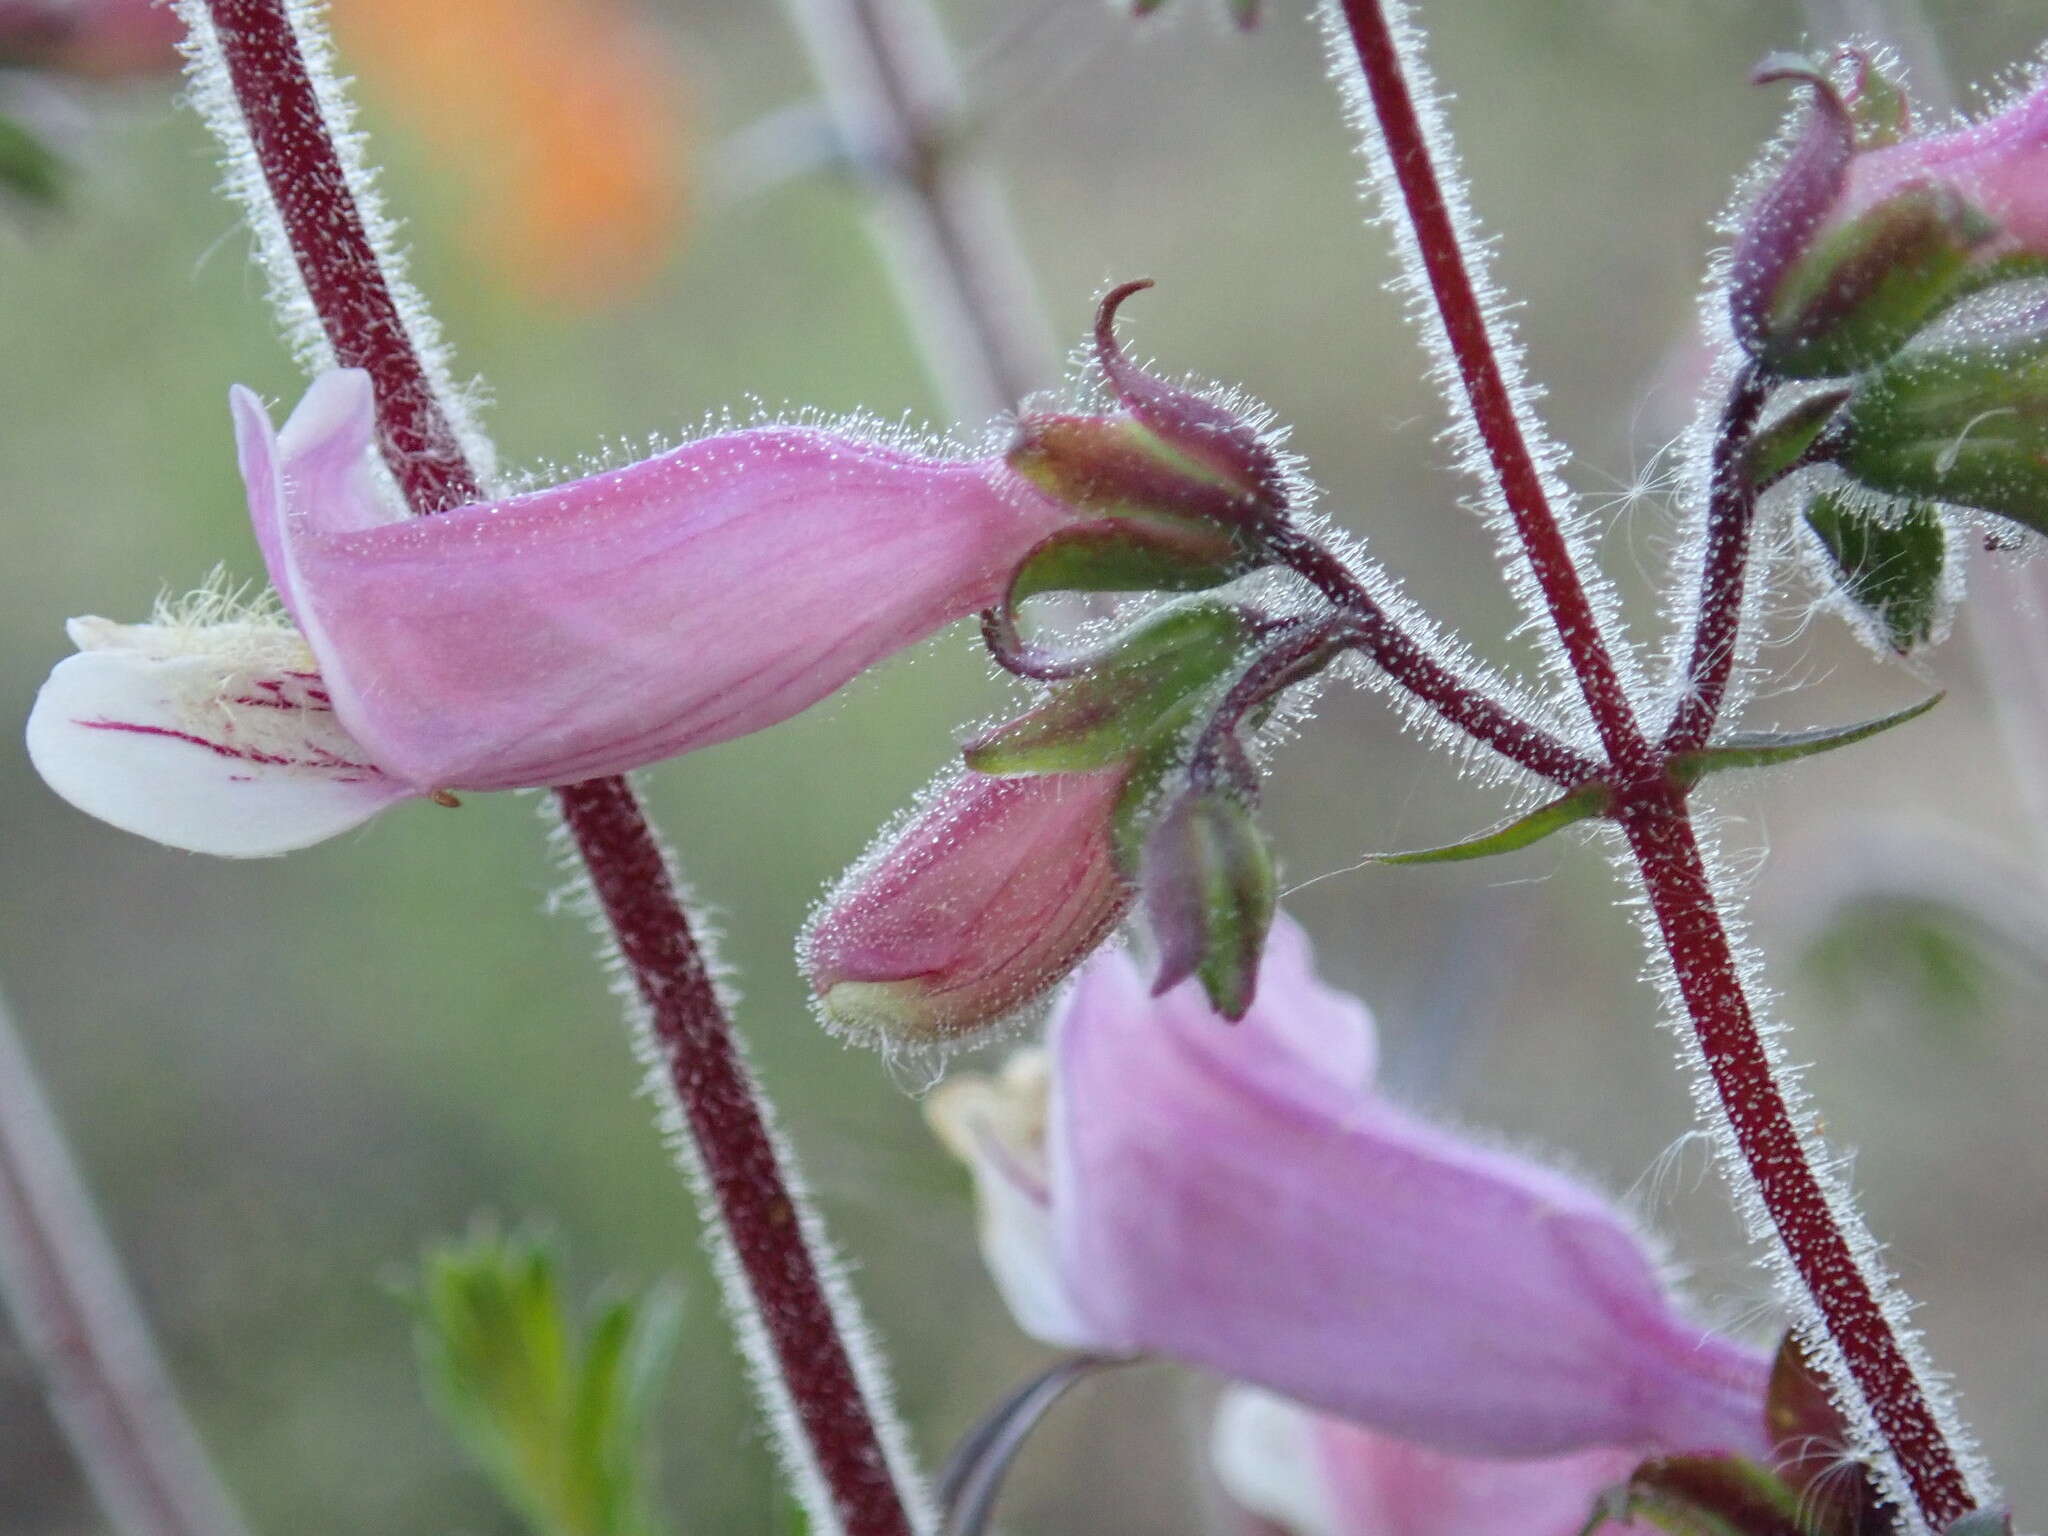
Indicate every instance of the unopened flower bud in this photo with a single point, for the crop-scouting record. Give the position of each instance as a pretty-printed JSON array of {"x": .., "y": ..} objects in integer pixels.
[
  {"x": 1187, "y": 483},
  {"x": 1210, "y": 893},
  {"x": 1964, "y": 420},
  {"x": 975, "y": 908},
  {"x": 1851, "y": 249}
]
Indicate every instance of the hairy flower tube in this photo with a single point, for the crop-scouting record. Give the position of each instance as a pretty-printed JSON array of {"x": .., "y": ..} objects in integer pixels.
[
  {"x": 1240, "y": 1198},
  {"x": 988, "y": 896},
  {"x": 569, "y": 633},
  {"x": 1313, "y": 1475}
]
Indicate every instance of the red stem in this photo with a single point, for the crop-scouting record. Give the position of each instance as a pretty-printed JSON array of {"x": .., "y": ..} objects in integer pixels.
[
  {"x": 1653, "y": 812},
  {"x": 1493, "y": 409},
  {"x": 1395, "y": 651},
  {"x": 1660, "y": 834},
  {"x": 348, "y": 289},
  {"x": 1731, "y": 510}
]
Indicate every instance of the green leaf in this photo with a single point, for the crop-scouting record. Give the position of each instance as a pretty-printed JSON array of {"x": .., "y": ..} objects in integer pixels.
[
  {"x": 1766, "y": 749},
  {"x": 552, "y": 1410},
  {"x": 1890, "y": 569},
  {"x": 1586, "y": 801},
  {"x": 29, "y": 169}
]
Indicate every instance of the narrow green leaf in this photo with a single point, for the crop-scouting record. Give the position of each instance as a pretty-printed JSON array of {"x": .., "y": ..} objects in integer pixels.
[
  {"x": 1766, "y": 749},
  {"x": 29, "y": 169},
  {"x": 1577, "y": 805},
  {"x": 552, "y": 1409}
]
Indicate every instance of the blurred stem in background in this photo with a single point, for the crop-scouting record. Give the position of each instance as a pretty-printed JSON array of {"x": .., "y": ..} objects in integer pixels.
[
  {"x": 85, "y": 1332},
  {"x": 942, "y": 224}
]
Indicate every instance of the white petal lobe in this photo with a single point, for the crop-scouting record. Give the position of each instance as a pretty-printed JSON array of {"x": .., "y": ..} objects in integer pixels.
[{"x": 217, "y": 742}]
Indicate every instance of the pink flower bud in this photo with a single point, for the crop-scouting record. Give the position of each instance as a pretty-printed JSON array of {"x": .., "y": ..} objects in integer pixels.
[
  {"x": 1317, "y": 1476},
  {"x": 103, "y": 39},
  {"x": 1240, "y": 1198},
  {"x": 581, "y": 630},
  {"x": 1861, "y": 239},
  {"x": 990, "y": 895}
]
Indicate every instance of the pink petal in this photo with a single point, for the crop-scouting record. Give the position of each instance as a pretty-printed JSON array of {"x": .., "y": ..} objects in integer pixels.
[
  {"x": 1226, "y": 1196},
  {"x": 612, "y": 621},
  {"x": 1322, "y": 1477},
  {"x": 238, "y": 755}
]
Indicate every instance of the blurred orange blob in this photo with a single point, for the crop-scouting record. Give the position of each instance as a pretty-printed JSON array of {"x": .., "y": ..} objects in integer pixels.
[{"x": 565, "y": 120}]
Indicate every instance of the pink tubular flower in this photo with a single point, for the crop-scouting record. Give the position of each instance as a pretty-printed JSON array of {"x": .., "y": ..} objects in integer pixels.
[
  {"x": 984, "y": 900},
  {"x": 1318, "y": 1476},
  {"x": 565, "y": 634},
  {"x": 1238, "y": 1197}
]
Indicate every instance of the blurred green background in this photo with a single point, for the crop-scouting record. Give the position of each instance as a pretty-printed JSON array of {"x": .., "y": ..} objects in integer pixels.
[{"x": 284, "y": 1078}]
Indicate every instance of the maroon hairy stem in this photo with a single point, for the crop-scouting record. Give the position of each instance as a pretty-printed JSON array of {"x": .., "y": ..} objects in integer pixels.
[
  {"x": 1731, "y": 511},
  {"x": 1660, "y": 834},
  {"x": 1396, "y": 652},
  {"x": 85, "y": 1333},
  {"x": 618, "y": 847},
  {"x": 1653, "y": 812},
  {"x": 1493, "y": 409}
]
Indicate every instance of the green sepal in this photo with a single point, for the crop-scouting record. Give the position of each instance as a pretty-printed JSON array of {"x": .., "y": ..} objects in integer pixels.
[
  {"x": 1766, "y": 749},
  {"x": 552, "y": 1409},
  {"x": 1964, "y": 423},
  {"x": 1130, "y": 554},
  {"x": 1878, "y": 107},
  {"x": 1890, "y": 570},
  {"x": 1863, "y": 289},
  {"x": 1778, "y": 448},
  {"x": 1210, "y": 891},
  {"x": 30, "y": 171},
  {"x": 1588, "y": 800},
  {"x": 1703, "y": 1496},
  {"x": 1147, "y": 680}
]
